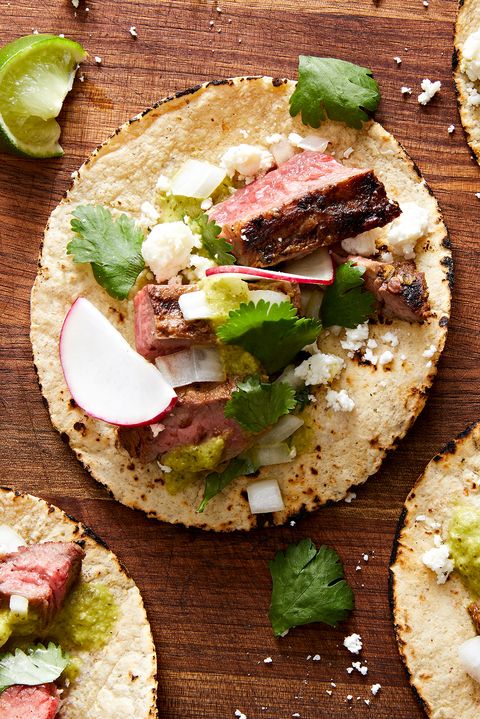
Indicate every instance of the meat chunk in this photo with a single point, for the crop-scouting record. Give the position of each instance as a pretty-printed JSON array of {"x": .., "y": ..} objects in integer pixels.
[
  {"x": 309, "y": 201},
  {"x": 159, "y": 324},
  {"x": 474, "y": 610},
  {"x": 43, "y": 573},
  {"x": 197, "y": 417},
  {"x": 23, "y": 702},
  {"x": 400, "y": 289}
]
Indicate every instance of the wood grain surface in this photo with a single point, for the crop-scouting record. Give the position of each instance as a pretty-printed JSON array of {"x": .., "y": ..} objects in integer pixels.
[{"x": 207, "y": 596}]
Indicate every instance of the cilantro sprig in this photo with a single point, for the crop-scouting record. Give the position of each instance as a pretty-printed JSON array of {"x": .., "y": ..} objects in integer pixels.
[
  {"x": 345, "y": 303},
  {"x": 308, "y": 586},
  {"x": 273, "y": 333},
  {"x": 333, "y": 88},
  {"x": 218, "y": 249},
  {"x": 216, "y": 481},
  {"x": 113, "y": 248},
  {"x": 256, "y": 405},
  {"x": 38, "y": 665}
]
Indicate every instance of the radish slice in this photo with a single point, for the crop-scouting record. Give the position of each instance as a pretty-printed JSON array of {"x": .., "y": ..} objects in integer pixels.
[
  {"x": 265, "y": 496},
  {"x": 469, "y": 657},
  {"x": 10, "y": 541},
  {"x": 197, "y": 179},
  {"x": 284, "y": 429},
  {"x": 315, "y": 269},
  {"x": 105, "y": 376},
  {"x": 196, "y": 364}
]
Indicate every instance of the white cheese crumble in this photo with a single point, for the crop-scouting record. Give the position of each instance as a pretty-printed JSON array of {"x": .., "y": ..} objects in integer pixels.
[
  {"x": 316, "y": 658},
  {"x": 471, "y": 56},
  {"x": 473, "y": 98},
  {"x": 75, "y": 3},
  {"x": 430, "y": 351},
  {"x": 98, "y": 59},
  {"x": 390, "y": 338},
  {"x": 268, "y": 660},
  {"x": 398, "y": 60},
  {"x": 167, "y": 249},
  {"x": 200, "y": 265},
  {"x": 438, "y": 560},
  {"x": 339, "y": 401},
  {"x": 353, "y": 643},
  {"x": 247, "y": 160},
  {"x": 350, "y": 497},
  {"x": 133, "y": 31},
  {"x": 360, "y": 668},
  {"x": 430, "y": 89},
  {"x": 451, "y": 128},
  {"x": 385, "y": 358},
  {"x": 355, "y": 338},
  {"x": 403, "y": 233},
  {"x": 363, "y": 244},
  {"x": 206, "y": 204},
  {"x": 150, "y": 215},
  {"x": 319, "y": 369},
  {"x": 406, "y": 90},
  {"x": 239, "y": 714},
  {"x": 375, "y": 688},
  {"x": 368, "y": 356},
  {"x": 163, "y": 183}
]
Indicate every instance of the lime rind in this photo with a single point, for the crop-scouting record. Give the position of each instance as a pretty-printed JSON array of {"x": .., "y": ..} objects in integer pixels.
[{"x": 36, "y": 73}]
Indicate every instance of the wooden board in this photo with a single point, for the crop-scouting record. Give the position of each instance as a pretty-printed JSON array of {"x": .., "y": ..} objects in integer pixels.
[{"x": 207, "y": 596}]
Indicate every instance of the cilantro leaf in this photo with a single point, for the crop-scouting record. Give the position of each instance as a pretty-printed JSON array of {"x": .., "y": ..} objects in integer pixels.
[
  {"x": 303, "y": 398},
  {"x": 333, "y": 88},
  {"x": 344, "y": 302},
  {"x": 270, "y": 332},
  {"x": 216, "y": 481},
  {"x": 308, "y": 586},
  {"x": 113, "y": 247},
  {"x": 256, "y": 405},
  {"x": 218, "y": 249},
  {"x": 38, "y": 665}
]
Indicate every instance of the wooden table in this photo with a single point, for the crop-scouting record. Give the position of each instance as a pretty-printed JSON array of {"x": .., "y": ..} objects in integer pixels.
[{"x": 207, "y": 596}]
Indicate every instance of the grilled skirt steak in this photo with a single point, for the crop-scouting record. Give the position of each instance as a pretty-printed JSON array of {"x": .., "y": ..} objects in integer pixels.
[
  {"x": 309, "y": 201},
  {"x": 24, "y": 702},
  {"x": 399, "y": 287},
  {"x": 43, "y": 573},
  {"x": 159, "y": 325},
  {"x": 197, "y": 417}
]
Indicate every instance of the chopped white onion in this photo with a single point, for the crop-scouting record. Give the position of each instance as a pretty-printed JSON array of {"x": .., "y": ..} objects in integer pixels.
[
  {"x": 197, "y": 179},
  {"x": 10, "y": 541},
  {"x": 289, "y": 377},
  {"x": 280, "y": 453},
  {"x": 194, "y": 306},
  {"x": 469, "y": 657},
  {"x": 265, "y": 496},
  {"x": 284, "y": 428},
  {"x": 282, "y": 151},
  {"x": 19, "y": 605},
  {"x": 196, "y": 364},
  {"x": 309, "y": 142},
  {"x": 271, "y": 296},
  {"x": 311, "y": 301}
]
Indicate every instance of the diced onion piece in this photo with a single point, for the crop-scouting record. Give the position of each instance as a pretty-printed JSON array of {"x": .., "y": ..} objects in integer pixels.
[
  {"x": 284, "y": 429},
  {"x": 317, "y": 265},
  {"x": 311, "y": 302},
  {"x": 196, "y": 364},
  {"x": 265, "y": 496},
  {"x": 289, "y": 377},
  {"x": 280, "y": 453},
  {"x": 312, "y": 142},
  {"x": 19, "y": 605},
  {"x": 10, "y": 541},
  {"x": 197, "y": 179},
  {"x": 469, "y": 656},
  {"x": 269, "y": 296},
  {"x": 282, "y": 151},
  {"x": 194, "y": 306}
]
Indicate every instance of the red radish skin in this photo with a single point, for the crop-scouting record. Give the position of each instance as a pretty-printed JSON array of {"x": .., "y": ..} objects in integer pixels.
[
  {"x": 91, "y": 413},
  {"x": 251, "y": 273}
]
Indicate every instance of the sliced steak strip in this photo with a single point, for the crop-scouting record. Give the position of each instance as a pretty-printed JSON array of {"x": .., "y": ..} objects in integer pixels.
[
  {"x": 309, "y": 201},
  {"x": 399, "y": 287},
  {"x": 197, "y": 417},
  {"x": 23, "y": 702},
  {"x": 160, "y": 328},
  {"x": 43, "y": 573}
]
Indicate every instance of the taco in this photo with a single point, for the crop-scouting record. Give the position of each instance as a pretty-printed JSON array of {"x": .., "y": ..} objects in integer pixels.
[
  {"x": 466, "y": 70},
  {"x": 290, "y": 284},
  {"x": 435, "y": 581},
  {"x": 74, "y": 636}
]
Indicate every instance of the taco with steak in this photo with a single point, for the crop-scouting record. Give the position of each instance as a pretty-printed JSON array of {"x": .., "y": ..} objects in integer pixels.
[
  {"x": 466, "y": 70},
  {"x": 74, "y": 636},
  {"x": 242, "y": 299}
]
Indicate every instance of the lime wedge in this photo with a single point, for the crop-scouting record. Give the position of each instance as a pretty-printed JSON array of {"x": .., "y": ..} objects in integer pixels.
[{"x": 36, "y": 73}]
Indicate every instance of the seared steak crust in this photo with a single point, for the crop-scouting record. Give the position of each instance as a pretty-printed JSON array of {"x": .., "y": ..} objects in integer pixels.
[
  {"x": 400, "y": 289},
  {"x": 43, "y": 573},
  {"x": 160, "y": 328},
  {"x": 319, "y": 218},
  {"x": 197, "y": 417},
  {"x": 474, "y": 610}
]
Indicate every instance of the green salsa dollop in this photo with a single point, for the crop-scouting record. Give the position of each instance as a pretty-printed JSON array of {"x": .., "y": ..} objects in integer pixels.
[
  {"x": 87, "y": 618},
  {"x": 190, "y": 462},
  {"x": 464, "y": 543}
]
